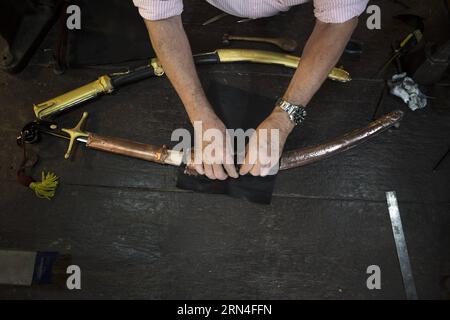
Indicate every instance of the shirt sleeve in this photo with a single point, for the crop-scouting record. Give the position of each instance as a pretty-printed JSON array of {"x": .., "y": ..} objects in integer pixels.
[
  {"x": 159, "y": 9},
  {"x": 338, "y": 11}
]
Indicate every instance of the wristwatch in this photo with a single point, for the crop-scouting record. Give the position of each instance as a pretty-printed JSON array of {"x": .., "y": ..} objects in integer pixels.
[{"x": 297, "y": 114}]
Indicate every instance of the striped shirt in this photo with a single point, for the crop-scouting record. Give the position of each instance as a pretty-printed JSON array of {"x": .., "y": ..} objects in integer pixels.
[{"x": 328, "y": 11}]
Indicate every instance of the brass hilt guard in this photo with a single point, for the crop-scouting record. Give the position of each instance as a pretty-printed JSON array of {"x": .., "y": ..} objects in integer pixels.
[{"x": 108, "y": 83}]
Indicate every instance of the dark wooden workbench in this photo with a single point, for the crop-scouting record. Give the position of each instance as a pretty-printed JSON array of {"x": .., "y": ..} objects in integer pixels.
[{"x": 135, "y": 235}]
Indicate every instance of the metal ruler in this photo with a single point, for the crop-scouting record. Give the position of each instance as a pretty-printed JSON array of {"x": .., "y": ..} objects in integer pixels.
[{"x": 400, "y": 243}]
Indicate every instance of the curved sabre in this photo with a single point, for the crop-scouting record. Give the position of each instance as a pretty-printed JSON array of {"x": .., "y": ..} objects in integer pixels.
[{"x": 163, "y": 155}]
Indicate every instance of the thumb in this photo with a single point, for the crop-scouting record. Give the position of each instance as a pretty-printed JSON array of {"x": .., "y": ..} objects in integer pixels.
[{"x": 248, "y": 162}]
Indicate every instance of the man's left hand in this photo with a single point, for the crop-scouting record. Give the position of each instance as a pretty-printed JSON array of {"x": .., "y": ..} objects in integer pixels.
[{"x": 261, "y": 144}]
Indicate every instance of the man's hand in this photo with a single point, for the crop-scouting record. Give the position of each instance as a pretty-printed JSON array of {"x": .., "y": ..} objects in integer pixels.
[
  {"x": 263, "y": 146},
  {"x": 173, "y": 50},
  {"x": 213, "y": 154},
  {"x": 321, "y": 53}
]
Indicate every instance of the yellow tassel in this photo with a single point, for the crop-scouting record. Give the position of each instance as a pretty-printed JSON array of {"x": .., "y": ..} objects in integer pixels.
[{"x": 46, "y": 188}]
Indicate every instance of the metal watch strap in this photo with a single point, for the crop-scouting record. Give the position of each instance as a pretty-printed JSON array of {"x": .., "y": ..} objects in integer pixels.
[{"x": 296, "y": 113}]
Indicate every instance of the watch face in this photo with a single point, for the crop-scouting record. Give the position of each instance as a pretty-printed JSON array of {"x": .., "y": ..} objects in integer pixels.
[
  {"x": 299, "y": 115},
  {"x": 296, "y": 113}
]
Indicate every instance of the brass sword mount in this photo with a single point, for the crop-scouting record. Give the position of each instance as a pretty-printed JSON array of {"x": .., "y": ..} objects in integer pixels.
[{"x": 76, "y": 134}]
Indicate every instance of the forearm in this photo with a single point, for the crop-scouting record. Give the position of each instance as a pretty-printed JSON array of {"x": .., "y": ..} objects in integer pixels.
[
  {"x": 320, "y": 55},
  {"x": 174, "y": 52}
]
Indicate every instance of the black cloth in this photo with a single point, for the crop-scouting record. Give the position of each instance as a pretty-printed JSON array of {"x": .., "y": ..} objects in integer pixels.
[{"x": 237, "y": 109}]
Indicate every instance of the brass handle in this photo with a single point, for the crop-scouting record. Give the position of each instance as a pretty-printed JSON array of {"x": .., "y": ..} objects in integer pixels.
[{"x": 285, "y": 44}]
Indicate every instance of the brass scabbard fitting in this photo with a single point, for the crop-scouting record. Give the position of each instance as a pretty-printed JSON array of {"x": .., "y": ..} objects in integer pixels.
[
  {"x": 269, "y": 57},
  {"x": 157, "y": 67},
  {"x": 74, "y": 97}
]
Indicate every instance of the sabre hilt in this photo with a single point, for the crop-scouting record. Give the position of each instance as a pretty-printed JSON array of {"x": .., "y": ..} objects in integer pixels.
[
  {"x": 75, "y": 134},
  {"x": 103, "y": 85}
]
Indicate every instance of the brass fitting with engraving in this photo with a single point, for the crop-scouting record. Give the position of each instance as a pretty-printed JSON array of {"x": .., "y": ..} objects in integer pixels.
[
  {"x": 103, "y": 85},
  {"x": 74, "y": 97}
]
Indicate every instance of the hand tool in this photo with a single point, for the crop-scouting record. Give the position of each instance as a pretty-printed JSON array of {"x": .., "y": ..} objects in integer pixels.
[
  {"x": 285, "y": 44},
  {"x": 108, "y": 83},
  {"x": 160, "y": 154},
  {"x": 414, "y": 36},
  {"x": 400, "y": 244}
]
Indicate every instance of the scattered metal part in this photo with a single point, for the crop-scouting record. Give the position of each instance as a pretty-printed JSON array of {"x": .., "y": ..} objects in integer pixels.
[
  {"x": 405, "y": 88},
  {"x": 214, "y": 19},
  {"x": 400, "y": 244},
  {"x": 285, "y": 44}
]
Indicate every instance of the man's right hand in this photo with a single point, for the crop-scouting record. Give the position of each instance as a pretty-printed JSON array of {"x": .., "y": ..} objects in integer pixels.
[
  {"x": 214, "y": 165},
  {"x": 173, "y": 50}
]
